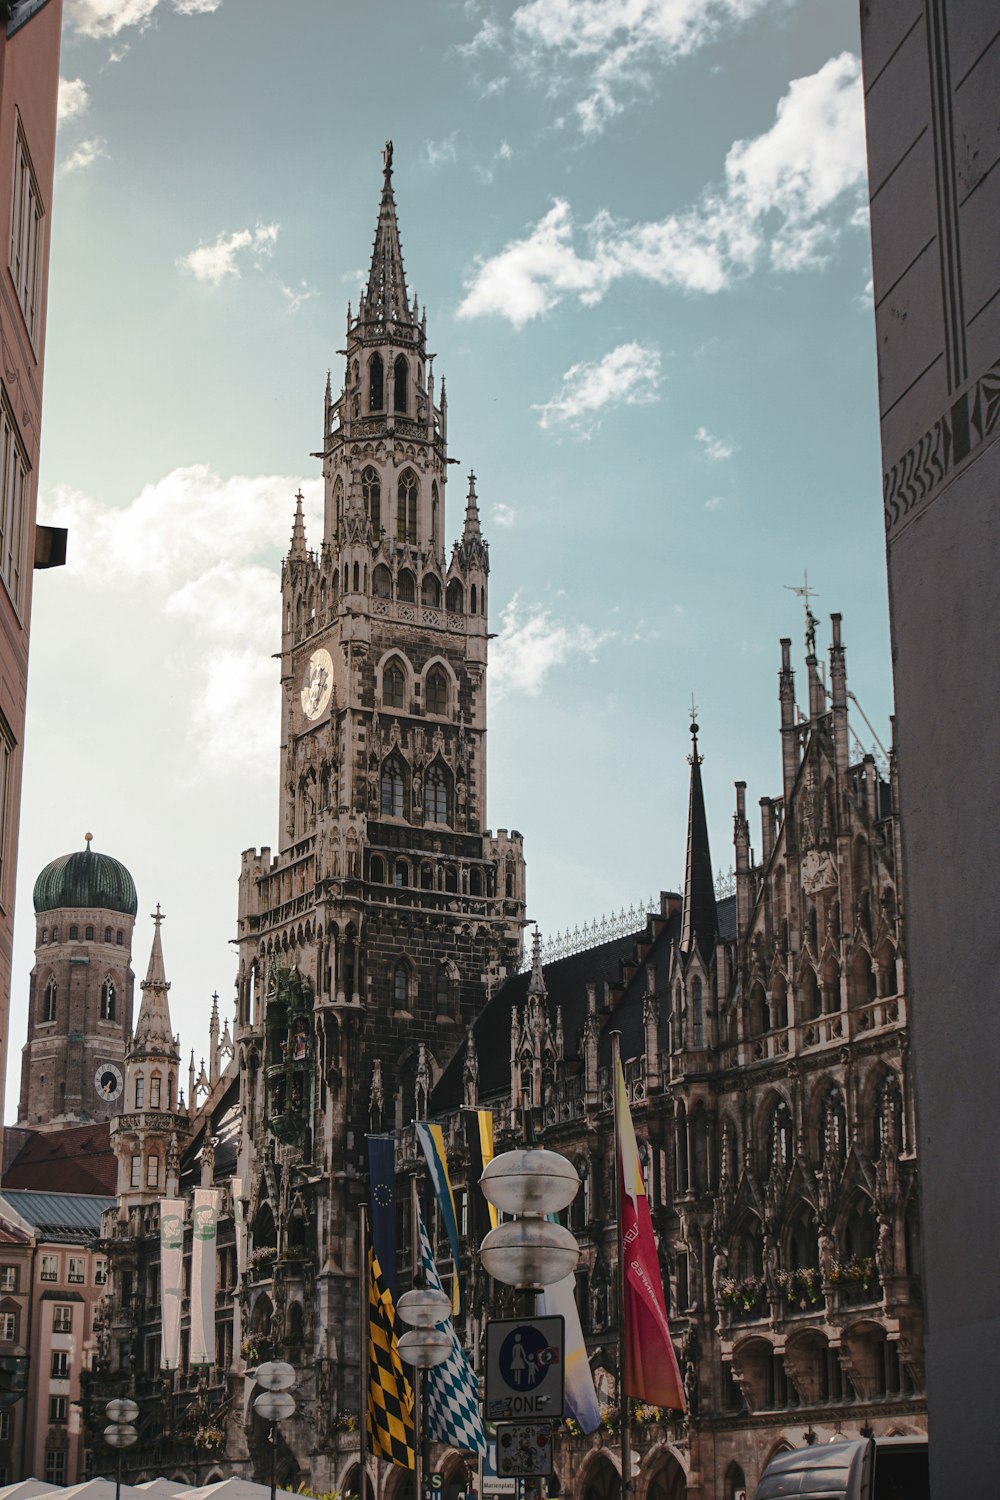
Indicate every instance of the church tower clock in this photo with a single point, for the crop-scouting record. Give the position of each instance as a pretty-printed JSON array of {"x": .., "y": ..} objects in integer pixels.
[{"x": 389, "y": 907}]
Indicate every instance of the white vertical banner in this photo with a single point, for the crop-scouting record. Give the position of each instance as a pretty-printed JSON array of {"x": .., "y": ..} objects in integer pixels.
[
  {"x": 171, "y": 1280},
  {"x": 203, "y": 1275},
  {"x": 239, "y": 1226}
]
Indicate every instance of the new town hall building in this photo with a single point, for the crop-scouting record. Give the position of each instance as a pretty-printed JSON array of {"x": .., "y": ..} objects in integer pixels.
[{"x": 764, "y": 1032}]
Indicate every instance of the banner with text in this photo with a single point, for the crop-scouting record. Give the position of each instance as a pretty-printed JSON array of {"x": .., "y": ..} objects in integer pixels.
[{"x": 203, "y": 1273}]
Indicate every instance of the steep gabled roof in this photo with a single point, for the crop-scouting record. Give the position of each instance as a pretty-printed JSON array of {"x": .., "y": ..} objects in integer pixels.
[{"x": 76, "y": 1159}]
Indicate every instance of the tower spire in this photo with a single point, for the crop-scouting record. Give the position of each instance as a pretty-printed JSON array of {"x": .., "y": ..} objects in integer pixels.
[
  {"x": 472, "y": 527},
  {"x": 386, "y": 299},
  {"x": 153, "y": 1030},
  {"x": 298, "y": 544},
  {"x": 699, "y": 918}
]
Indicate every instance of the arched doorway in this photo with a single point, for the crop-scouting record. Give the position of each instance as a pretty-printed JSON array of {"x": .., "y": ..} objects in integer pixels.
[
  {"x": 601, "y": 1480},
  {"x": 352, "y": 1484},
  {"x": 668, "y": 1481}
]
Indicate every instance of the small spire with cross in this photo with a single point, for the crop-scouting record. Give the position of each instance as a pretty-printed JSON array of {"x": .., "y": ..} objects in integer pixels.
[
  {"x": 157, "y": 916},
  {"x": 805, "y": 593},
  {"x": 694, "y": 756}
]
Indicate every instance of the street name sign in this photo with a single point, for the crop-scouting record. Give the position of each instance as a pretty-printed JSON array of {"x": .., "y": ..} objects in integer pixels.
[{"x": 525, "y": 1369}]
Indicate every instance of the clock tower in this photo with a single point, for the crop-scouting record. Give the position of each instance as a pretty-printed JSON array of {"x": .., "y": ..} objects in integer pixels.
[{"x": 369, "y": 939}]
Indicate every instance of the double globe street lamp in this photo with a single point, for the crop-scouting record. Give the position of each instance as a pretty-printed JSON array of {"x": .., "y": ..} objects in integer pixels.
[
  {"x": 529, "y": 1251},
  {"x": 275, "y": 1404},
  {"x": 120, "y": 1432},
  {"x": 424, "y": 1346}
]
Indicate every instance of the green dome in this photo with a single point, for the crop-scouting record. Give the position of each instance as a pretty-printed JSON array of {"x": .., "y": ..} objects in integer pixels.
[{"x": 85, "y": 879}]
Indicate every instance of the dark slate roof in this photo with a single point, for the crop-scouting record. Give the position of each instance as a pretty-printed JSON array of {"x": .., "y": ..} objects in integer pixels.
[
  {"x": 17, "y": 12},
  {"x": 85, "y": 879},
  {"x": 70, "y": 1218},
  {"x": 78, "y": 1158},
  {"x": 224, "y": 1124},
  {"x": 727, "y": 918},
  {"x": 566, "y": 982}
]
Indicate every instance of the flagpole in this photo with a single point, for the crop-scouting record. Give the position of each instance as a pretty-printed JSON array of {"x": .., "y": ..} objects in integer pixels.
[
  {"x": 623, "y": 1415},
  {"x": 364, "y": 1314}
]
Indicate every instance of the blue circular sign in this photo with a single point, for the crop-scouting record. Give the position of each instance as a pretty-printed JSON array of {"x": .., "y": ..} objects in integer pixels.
[{"x": 525, "y": 1357}]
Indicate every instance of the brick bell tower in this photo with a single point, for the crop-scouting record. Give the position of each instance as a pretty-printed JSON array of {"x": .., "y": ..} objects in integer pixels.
[
  {"x": 80, "y": 999},
  {"x": 389, "y": 906}
]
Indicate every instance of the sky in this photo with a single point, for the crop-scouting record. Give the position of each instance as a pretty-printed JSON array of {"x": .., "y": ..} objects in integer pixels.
[{"x": 639, "y": 228}]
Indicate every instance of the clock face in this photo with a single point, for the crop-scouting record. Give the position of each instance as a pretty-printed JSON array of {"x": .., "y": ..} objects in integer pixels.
[
  {"x": 317, "y": 684},
  {"x": 109, "y": 1082}
]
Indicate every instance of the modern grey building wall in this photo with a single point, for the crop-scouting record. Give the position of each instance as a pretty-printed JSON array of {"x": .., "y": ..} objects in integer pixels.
[{"x": 932, "y": 92}]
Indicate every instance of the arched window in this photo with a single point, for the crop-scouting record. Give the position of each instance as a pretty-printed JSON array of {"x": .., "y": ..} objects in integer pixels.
[
  {"x": 436, "y": 795},
  {"x": 88, "y": 935},
  {"x": 697, "y": 1014},
  {"x": 371, "y": 495},
  {"x": 45, "y": 934},
  {"x": 406, "y": 587},
  {"x": 393, "y": 686},
  {"x": 401, "y": 986},
  {"x": 475, "y": 881},
  {"x": 357, "y": 578},
  {"x": 377, "y": 870},
  {"x": 442, "y": 993},
  {"x": 140, "y": 1092},
  {"x": 430, "y": 592},
  {"x": 401, "y": 370},
  {"x": 74, "y": 933},
  {"x": 108, "y": 1001},
  {"x": 472, "y": 600},
  {"x": 455, "y": 597},
  {"x": 435, "y": 511},
  {"x": 55, "y": 934},
  {"x": 406, "y": 507},
  {"x": 834, "y": 1123},
  {"x": 152, "y": 1171},
  {"x": 338, "y": 500},
  {"x": 392, "y": 788},
  {"x": 376, "y": 383},
  {"x": 401, "y": 877},
  {"x": 107, "y": 934},
  {"x": 119, "y": 936},
  {"x": 382, "y": 582},
  {"x": 437, "y": 693},
  {"x": 155, "y": 1090},
  {"x": 426, "y": 877},
  {"x": 451, "y": 879},
  {"x": 49, "y": 1001}
]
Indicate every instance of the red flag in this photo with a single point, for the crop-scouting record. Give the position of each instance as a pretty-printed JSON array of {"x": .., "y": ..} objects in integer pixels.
[{"x": 651, "y": 1371}]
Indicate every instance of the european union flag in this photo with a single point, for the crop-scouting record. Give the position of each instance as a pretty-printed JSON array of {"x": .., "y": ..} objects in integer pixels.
[{"x": 382, "y": 1205}]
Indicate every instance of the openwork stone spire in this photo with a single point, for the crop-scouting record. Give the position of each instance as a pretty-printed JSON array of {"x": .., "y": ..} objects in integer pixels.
[{"x": 386, "y": 299}]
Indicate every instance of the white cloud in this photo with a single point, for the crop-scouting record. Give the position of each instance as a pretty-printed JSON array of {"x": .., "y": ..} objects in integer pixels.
[
  {"x": 100, "y": 19},
  {"x": 503, "y": 153},
  {"x": 531, "y": 643},
  {"x": 716, "y": 449},
  {"x": 83, "y": 156},
  {"x": 615, "y": 43},
  {"x": 778, "y": 207},
  {"x": 714, "y": 502},
  {"x": 442, "y": 153},
  {"x": 215, "y": 623},
  {"x": 503, "y": 515},
  {"x": 73, "y": 99},
  {"x": 627, "y": 376},
  {"x": 295, "y": 296},
  {"x": 217, "y": 261}
]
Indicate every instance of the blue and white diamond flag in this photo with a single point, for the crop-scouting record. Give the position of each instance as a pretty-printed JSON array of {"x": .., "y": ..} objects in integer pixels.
[{"x": 452, "y": 1407}]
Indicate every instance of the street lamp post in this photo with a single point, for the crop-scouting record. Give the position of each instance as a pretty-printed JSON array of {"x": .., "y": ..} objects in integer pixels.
[
  {"x": 275, "y": 1404},
  {"x": 425, "y": 1346},
  {"x": 120, "y": 1432},
  {"x": 529, "y": 1251}
]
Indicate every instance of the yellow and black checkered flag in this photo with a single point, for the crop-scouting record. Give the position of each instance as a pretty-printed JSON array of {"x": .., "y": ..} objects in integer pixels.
[{"x": 390, "y": 1399}]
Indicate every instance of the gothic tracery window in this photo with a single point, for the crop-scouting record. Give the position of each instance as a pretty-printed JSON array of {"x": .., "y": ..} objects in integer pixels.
[
  {"x": 401, "y": 986},
  {"x": 406, "y": 507},
  {"x": 401, "y": 370},
  {"x": 392, "y": 788},
  {"x": 406, "y": 587},
  {"x": 436, "y": 700},
  {"x": 436, "y": 795},
  {"x": 393, "y": 686},
  {"x": 376, "y": 383},
  {"x": 697, "y": 1014},
  {"x": 382, "y": 582},
  {"x": 49, "y": 1001},
  {"x": 108, "y": 1001}
]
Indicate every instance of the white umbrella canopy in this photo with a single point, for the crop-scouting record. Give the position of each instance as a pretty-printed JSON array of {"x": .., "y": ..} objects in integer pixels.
[
  {"x": 162, "y": 1486},
  {"x": 100, "y": 1489},
  {"x": 237, "y": 1489},
  {"x": 26, "y": 1489}
]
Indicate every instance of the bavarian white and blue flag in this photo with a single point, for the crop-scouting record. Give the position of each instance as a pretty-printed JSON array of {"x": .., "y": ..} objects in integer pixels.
[{"x": 453, "y": 1414}]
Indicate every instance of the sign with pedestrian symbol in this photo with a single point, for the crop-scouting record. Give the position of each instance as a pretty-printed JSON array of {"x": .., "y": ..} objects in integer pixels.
[{"x": 524, "y": 1368}]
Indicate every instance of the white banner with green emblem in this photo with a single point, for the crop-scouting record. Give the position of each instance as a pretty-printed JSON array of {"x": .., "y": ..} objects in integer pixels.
[
  {"x": 171, "y": 1280},
  {"x": 206, "y": 1219}
]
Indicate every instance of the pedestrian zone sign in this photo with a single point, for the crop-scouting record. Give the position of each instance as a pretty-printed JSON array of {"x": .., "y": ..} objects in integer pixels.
[{"x": 524, "y": 1369}]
